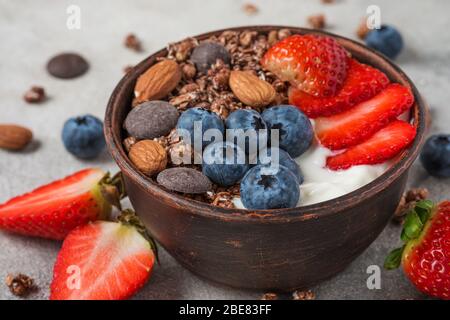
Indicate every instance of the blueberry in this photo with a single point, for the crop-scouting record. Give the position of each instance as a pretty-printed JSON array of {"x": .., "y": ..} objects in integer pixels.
[
  {"x": 207, "y": 119},
  {"x": 251, "y": 122},
  {"x": 284, "y": 159},
  {"x": 224, "y": 163},
  {"x": 435, "y": 156},
  {"x": 207, "y": 53},
  {"x": 83, "y": 136},
  {"x": 387, "y": 40},
  {"x": 295, "y": 130},
  {"x": 266, "y": 188}
]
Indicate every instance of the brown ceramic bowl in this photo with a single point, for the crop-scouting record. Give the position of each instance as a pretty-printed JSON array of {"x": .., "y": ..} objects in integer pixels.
[{"x": 280, "y": 249}]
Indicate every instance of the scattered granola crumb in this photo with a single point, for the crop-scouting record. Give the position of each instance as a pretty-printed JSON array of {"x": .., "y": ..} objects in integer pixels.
[
  {"x": 246, "y": 38},
  {"x": 179, "y": 151},
  {"x": 189, "y": 88},
  {"x": 219, "y": 75},
  {"x": 133, "y": 43},
  {"x": 20, "y": 285},
  {"x": 189, "y": 71},
  {"x": 362, "y": 30},
  {"x": 224, "y": 200},
  {"x": 36, "y": 94},
  {"x": 250, "y": 9},
  {"x": 283, "y": 34},
  {"x": 269, "y": 296},
  {"x": 317, "y": 21},
  {"x": 327, "y": 1},
  {"x": 127, "y": 68},
  {"x": 407, "y": 202},
  {"x": 303, "y": 295},
  {"x": 417, "y": 194},
  {"x": 182, "y": 50},
  {"x": 128, "y": 143},
  {"x": 272, "y": 38}
]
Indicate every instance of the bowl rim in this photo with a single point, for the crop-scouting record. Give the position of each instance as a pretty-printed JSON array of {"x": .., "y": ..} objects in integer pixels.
[{"x": 313, "y": 211}]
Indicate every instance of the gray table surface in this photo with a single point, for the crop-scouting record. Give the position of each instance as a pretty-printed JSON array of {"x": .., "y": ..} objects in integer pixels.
[{"x": 33, "y": 30}]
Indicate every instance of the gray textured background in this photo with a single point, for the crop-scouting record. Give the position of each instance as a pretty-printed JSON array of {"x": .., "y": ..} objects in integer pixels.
[{"x": 31, "y": 31}]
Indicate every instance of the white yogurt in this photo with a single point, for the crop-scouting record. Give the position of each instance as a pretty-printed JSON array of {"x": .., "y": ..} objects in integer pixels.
[{"x": 322, "y": 184}]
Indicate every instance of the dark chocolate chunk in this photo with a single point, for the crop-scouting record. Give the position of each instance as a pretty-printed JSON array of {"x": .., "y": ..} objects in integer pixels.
[
  {"x": 207, "y": 53},
  {"x": 185, "y": 180},
  {"x": 67, "y": 66},
  {"x": 151, "y": 119}
]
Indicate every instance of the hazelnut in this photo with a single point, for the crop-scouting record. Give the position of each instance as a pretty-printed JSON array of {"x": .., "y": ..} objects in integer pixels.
[{"x": 148, "y": 156}]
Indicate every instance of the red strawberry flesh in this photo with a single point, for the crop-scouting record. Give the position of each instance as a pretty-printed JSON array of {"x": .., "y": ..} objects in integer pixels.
[
  {"x": 362, "y": 83},
  {"x": 101, "y": 261},
  {"x": 53, "y": 210},
  {"x": 426, "y": 260},
  {"x": 382, "y": 146},
  {"x": 314, "y": 64},
  {"x": 357, "y": 124}
]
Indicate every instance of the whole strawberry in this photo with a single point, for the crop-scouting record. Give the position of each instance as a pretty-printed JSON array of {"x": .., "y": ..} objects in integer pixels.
[{"x": 425, "y": 255}]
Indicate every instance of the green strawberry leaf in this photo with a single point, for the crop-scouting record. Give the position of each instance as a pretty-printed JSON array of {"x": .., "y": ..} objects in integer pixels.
[
  {"x": 423, "y": 209},
  {"x": 413, "y": 225},
  {"x": 394, "y": 259},
  {"x": 425, "y": 204},
  {"x": 403, "y": 236}
]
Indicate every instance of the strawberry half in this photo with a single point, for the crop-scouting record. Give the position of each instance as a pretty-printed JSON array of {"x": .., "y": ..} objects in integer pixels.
[
  {"x": 362, "y": 83},
  {"x": 382, "y": 146},
  {"x": 425, "y": 255},
  {"x": 362, "y": 121},
  {"x": 53, "y": 210},
  {"x": 102, "y": 261},
  {"x": 314, "y": 64}
]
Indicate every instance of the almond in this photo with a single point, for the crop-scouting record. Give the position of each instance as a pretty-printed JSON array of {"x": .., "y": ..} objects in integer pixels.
[
  {"x": 250, "y": 89},
  {"x": 158, "y": 81},
  {"x": 14, "y": 137},
  {"x": 148, "y": 156}
]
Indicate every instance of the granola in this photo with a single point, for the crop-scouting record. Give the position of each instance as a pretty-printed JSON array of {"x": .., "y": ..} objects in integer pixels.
[
  {"x": 212, "y": 92},
  {"x": 303, "y": 295},
  {"x": 20, "y": 285}
]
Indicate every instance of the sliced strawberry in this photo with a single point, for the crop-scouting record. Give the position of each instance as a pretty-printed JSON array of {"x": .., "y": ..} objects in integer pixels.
[
  {"x": 359, "y": 123},
  {"x": 314, "y": 64},
  {"x": 425, "y": 255},
  {"x": 101, "y": 261},
  {"x": 53, "y": 210},
  {"x": 382, "y": 146},
  {"x": 362, "y": 83}
]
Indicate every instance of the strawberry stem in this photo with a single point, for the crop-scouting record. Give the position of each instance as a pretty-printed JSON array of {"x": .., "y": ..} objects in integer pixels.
[
  {"x": 414, "y": 223},
  {"x": 113, "y": 189}
]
